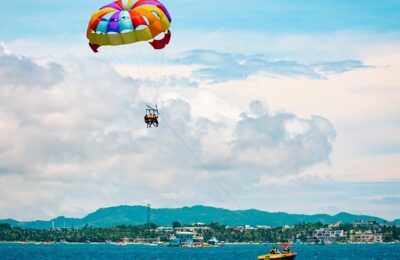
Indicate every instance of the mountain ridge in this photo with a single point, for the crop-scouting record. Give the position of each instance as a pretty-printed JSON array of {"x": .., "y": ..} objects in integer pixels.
[{"x": 137, "y": 215}]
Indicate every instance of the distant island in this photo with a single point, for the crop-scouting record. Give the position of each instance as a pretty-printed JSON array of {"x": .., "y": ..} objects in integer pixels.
[
  {"x": 140, "y": 224},
  {"x": 137, "y": 215}
]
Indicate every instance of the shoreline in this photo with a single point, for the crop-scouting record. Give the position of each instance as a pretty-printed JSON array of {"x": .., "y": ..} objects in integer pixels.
[{"x": 163, "y": 245}]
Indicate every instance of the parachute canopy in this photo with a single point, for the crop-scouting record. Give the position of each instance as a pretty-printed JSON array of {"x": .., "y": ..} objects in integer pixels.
[{"x": 130, "y": 21}]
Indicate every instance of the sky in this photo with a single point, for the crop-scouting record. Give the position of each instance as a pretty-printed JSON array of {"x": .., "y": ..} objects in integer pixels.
[{"x": 286, "y": 105}]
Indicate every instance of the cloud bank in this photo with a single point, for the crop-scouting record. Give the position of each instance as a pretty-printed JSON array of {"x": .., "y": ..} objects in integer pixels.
[
  {"x": 19, "y": 70},
  {"x": 281, "y": 143},
  {"x": 79, "y": 142}
]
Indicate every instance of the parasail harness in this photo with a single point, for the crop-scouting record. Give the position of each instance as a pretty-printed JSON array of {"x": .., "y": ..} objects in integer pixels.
[{"x": 151, "y": 116}]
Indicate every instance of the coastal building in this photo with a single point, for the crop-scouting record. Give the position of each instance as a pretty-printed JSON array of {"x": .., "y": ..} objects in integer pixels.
[
  {"x": 238, "y": 228},
  {"x": 335, "y": 225},
  {"x": 162, "y": 230},
  {"x": 321, "y": 234},
  {"x": 286, "y": 227},
  {"x": 248, "y": 227},
  {"x": 198, "y": 224},
  {"x": 243, "y": 228},
  {"x": 337, "y": 233},
  {"x": 196, "y": 229},
  {"x": 263, "y": 227},
  {"x": 326, "y": 234},
  {"x": 378, "y": 238},
  {"x": 366, "y": 237},
  {"x": 371, "y": 224}
]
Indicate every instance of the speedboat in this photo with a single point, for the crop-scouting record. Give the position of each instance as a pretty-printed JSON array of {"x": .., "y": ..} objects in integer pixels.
[
  {"x": 275, "y": 253},
  {"x": 285, "y": 256}
]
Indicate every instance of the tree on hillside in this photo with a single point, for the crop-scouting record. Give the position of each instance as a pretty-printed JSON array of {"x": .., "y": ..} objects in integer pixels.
[{"x": 176, "y": 224}]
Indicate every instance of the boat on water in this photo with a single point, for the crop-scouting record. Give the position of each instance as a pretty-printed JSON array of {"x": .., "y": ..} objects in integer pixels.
[
  {"x": 213, "y": 242},
  {"x": 122, "y": 242},
  {"x": 274, "y": 253},
  {"x": 186, "y": 239},
  {"x": 281, "y": 256}
]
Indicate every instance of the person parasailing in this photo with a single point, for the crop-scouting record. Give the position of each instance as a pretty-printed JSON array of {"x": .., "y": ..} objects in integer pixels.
[
  {"x": 128, "y": 22},
  {"x": 151, "y": 117}
]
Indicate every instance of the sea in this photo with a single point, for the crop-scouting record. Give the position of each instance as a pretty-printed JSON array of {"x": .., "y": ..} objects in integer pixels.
[{"x": 142, "y": 252}]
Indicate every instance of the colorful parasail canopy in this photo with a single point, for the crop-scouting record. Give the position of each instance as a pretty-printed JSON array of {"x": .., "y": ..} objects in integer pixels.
[{"x": 130, "y": 21}]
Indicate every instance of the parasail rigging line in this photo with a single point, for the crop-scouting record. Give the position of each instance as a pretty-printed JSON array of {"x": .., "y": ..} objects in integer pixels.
[{"x": 200, "y": 162}]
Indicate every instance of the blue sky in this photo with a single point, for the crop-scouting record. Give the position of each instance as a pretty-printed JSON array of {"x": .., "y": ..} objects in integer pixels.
[
  {"x": 46, "y": 18},
  {"x": 300, "y": 96},
  {"x": 290, "y": 16}
]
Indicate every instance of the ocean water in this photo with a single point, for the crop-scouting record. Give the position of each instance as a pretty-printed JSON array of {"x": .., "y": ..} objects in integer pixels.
[{"x": 104, "y": 251}]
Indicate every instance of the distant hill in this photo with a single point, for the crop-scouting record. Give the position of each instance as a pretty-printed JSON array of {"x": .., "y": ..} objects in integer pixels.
[
  {"x": 397, "y": 222},
  {"x": 136, "y": 215}
]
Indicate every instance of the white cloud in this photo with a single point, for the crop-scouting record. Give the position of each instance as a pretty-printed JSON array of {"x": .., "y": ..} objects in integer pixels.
[
  {"x": 90, "y": 124},
  {"x": 362, "y": 105},
  {"x": 19, "y": 70},
  {"x": 81, "y": 143},
  {"x": 263, "y": 142}
]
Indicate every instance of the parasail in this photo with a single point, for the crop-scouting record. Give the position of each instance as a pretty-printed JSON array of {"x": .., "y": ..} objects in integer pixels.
[{"x": 129, "y": 21}]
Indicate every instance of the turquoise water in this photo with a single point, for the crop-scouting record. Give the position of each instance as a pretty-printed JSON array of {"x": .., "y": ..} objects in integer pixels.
[{"x": 103, "y": 251}]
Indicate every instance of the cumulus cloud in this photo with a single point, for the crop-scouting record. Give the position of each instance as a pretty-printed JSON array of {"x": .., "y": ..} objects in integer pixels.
[
  {"x": 261, "y": 143},
  {"x": 213, "y": 66},
  {"x": 82, "y": 144},
  {"x": 20, "y": 70},
  {"x": 280, "y": 143}
]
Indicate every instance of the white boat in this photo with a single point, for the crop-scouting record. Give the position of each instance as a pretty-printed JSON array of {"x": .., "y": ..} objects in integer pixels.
[
  {"x": 214, "y": 242},
  {"x": 123, "y": 242},
  {"x": 186, "y": 239}
]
